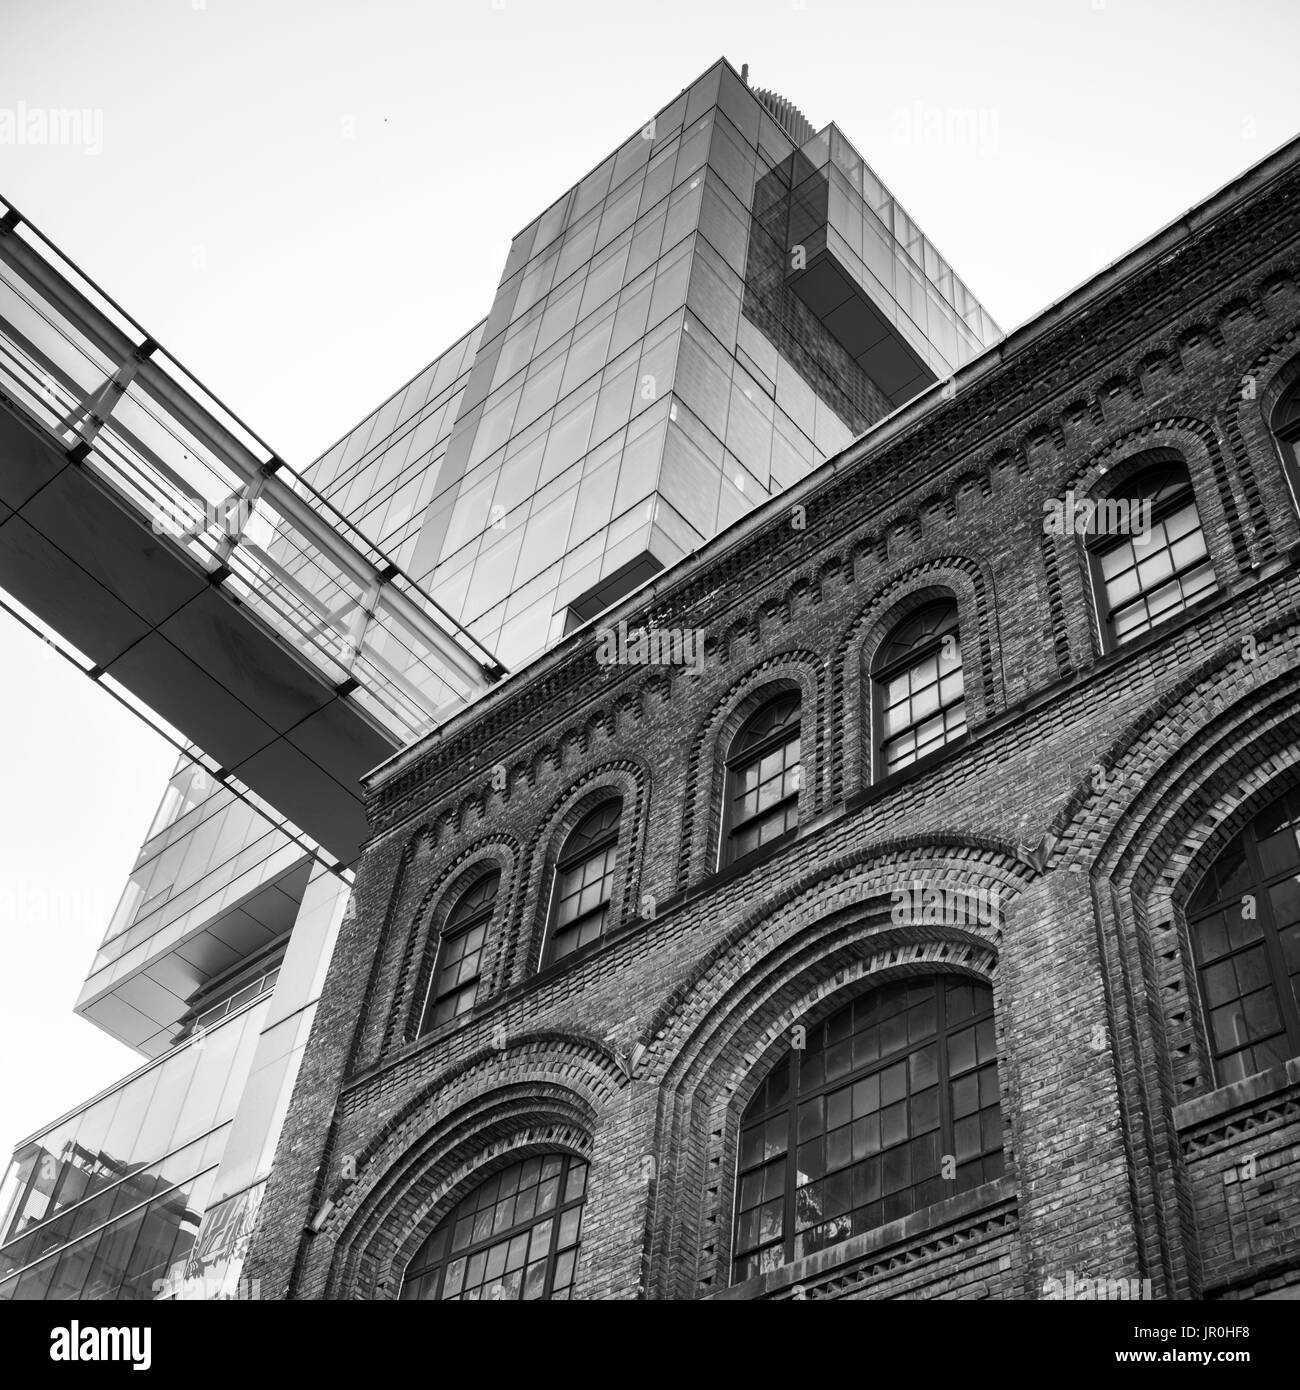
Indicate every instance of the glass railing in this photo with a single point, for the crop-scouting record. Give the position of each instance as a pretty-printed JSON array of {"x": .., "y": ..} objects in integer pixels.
[{"x": 95, "y": 381}]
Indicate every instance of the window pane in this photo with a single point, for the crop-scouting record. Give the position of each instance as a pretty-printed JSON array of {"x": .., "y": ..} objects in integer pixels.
[
  {"x": 921, "y": 705},
  {"x": 870, "y": 1133},
  {"x": 763, "y": 778},
  {"x": 1245, "y": 950},
  {"x": 1148, "y": 578},
  {"x": 504, "y": 1239}
]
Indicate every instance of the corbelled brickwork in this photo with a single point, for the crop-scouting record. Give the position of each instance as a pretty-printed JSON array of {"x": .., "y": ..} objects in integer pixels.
[{"x": 1092, "y": 791}]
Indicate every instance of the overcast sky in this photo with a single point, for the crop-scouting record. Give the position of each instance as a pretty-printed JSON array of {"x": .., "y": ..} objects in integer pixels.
[{"x": 305, "y": 201}]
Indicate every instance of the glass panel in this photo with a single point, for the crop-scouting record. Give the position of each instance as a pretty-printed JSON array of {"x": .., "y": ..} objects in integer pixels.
[
  {"x": 1243, "y": 919},
  {"x": 1157, "y": 568},
  {"x": 869, "y": 1145},
  {"x": 507, "y": 1238}
]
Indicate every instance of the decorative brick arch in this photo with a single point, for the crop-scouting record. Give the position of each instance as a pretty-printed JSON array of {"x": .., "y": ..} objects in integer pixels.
[
  {"x": 499, "y": 852},
  {"x": 541, "y": 1093},
  {"x": 794, "y": 960},
  {"x": 947, "y": 576},
  {"x": 1269, "y": 482},
  {"x": 626, "y": 778},
  {"x": 1185, "y": 440},
  {"x": 1168, "y": 794},
  {"x": 374, "y": 1022},
  {"x": 1210, "y": 690},
  {"x": 1172, "y": 790},
  {"x": 1271, "y": 375},
  {"x": 701, "y": 830}
]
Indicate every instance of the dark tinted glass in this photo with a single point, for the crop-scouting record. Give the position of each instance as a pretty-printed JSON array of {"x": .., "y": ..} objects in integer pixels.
[
  {"x": 890, "y": 1107},
  {"x": 1245, "y": 924},
  {"x": 515, "y": 1237}
]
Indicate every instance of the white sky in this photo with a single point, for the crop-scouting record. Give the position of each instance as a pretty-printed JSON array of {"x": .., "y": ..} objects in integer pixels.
[{"x": 303, "y": 275}]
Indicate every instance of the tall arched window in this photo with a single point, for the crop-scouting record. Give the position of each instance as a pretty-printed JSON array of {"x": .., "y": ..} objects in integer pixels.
[
  {"x": 1286, "y": 428},
  {"x": 919, "y": 687},
  {"x": 516, "y": 1236},
  {"x": 584, "y": 882},
  {"x": 1286, "y": 424},
  {"x": 763, "y": 775},
  {"x": 1148, "y": 556},
  {"x": 1245, "y": 925},
  {"x": 454, "y": 987},
  {"x": 853, "y": 1131}
]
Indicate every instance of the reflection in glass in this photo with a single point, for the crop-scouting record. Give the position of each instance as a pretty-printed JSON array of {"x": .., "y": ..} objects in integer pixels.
[
  {"x": 584, "y": 881},
  {"x": 1245, "y": 924},
  {"x": 851, "y": 1132},
  {"x": 515, "y": 1237},
  {"x": 763, "y": 776}
]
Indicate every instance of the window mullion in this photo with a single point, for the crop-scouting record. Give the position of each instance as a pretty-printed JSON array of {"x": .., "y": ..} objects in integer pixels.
[
  {"x": 947, "y": 1133},
  {"x": 791, "y": 1145},
  {"x": 1279, "y": 975}
]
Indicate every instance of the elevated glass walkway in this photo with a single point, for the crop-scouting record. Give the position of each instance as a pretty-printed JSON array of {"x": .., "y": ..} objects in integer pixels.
[{"x": 148, "y": 526}]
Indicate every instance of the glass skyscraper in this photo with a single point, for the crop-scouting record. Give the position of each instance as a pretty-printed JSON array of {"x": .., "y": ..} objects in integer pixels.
[{"x": 726, "y": 301}]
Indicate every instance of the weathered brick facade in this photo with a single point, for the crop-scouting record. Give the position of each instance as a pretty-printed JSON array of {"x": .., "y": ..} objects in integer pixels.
[{"x": 1091, "y": 792}]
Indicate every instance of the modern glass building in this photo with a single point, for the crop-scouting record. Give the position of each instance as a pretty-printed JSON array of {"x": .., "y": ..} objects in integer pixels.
[
  {"x": 723, "y": 303},
  {"x": 726, "y": 301}
]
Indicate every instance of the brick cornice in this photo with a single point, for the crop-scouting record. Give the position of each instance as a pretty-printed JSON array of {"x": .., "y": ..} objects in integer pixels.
[{"x": 859, "y": 485}]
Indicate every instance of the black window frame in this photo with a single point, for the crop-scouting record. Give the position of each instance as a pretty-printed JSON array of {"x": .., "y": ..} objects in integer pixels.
[
  {"x": 886, "y": 667},
  {"x": 1200, "y": 910},
  {"x": 1096, "y": 547},
  {"x": 438, "y": 1266},
  {"x": 742, "y": 755},
  {"x": 573, "y": 857},
  {"x": 788, "y": 1104},
  {"x": 1284, "y": 423},
  {"x": 454, "y": 929}
]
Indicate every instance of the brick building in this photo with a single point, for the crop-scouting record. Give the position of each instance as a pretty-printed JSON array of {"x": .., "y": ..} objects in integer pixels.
[
  {"x": 938, "y": 935},
  {"x": 717, "y": 308}
]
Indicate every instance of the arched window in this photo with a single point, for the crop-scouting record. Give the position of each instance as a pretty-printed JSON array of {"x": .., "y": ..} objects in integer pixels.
[
  {"x": 454, "y": 986},
  {"x": 853, "y": 1131},
  {"x": 1245, "y": 924},
  {"x": 584, "y": 882},
  {"x": 1286, "y": 428},
  {"x": 516, "y": 1236},
  {"x": 1148, "y": 554},
  {"x": 763, "y": 774},
  {"x": 920, "y": 689}
]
